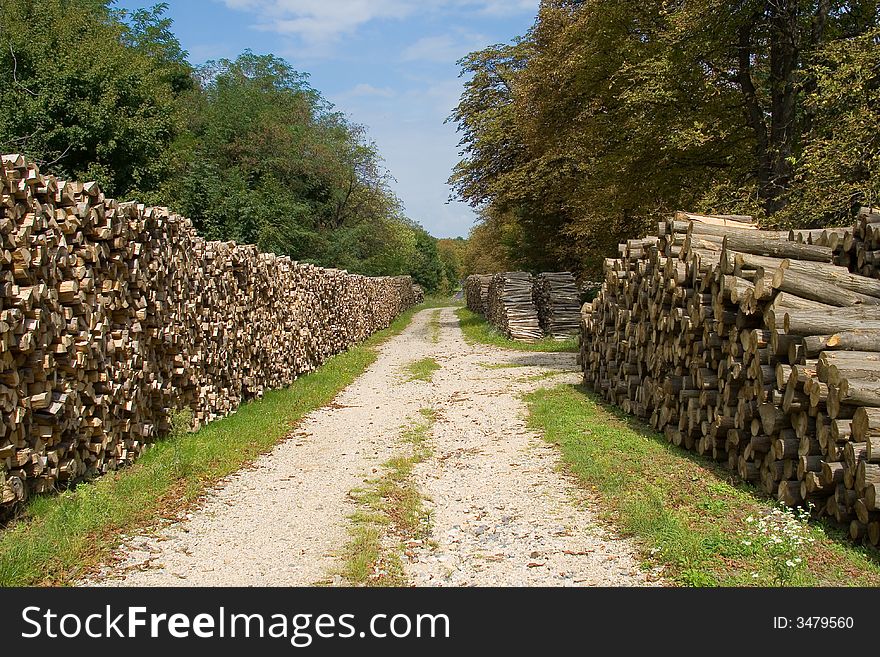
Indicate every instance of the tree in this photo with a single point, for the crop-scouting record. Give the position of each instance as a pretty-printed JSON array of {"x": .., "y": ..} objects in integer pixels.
[
  {"x": 838, "y": 169},
  {"x": 246, "y": 148},
  {"x": 486, "y": 252},
  {"x": 427, "y": 269},
  {"x": 452, "y": 253},
  {"x": 82, "y": 98},
  {"x": 264, "y": 159},
  {"x": 608, "y": 113}
]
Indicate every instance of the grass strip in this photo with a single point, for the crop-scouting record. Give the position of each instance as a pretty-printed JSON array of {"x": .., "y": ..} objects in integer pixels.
[
  {"x": 391, "y": 512},
  {"x": 477, "y": 330},
  {"x": 422, "y": 370},
  {"x": 435, "y": 326},
  {"x": 688, "y": 513},
  {"x": 440, "y": 301},
  {"x": 540, "y": 377},
  {"x": 60, "y": 537}
]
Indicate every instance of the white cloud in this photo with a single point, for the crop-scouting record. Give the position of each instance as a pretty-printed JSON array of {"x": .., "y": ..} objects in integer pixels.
[
  {"x": 443, "y": 48},
  {"x": 507, "y": 7},
  {"x": 363, "y": 89},
  {"x": 322, "y": 21}
]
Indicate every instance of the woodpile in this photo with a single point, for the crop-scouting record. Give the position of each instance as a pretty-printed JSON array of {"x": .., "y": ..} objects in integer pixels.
[
  {"x": 759, "y": 349},
  {"x": 557, "y": 301},
  {"x": 510, "y": 307},
  {"x": 857, "y": 248},
  {"x": 476, "y": 292},
  {"x": 867, "y": 243},
  {"x": 418, "y": 292},
  {"x": 113, "y": 315}
]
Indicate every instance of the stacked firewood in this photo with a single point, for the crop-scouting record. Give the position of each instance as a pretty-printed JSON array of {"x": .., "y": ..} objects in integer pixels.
[
  {"x": 867, "y": 242},
  {"x": 856, "y": 247},
  {"x": 557, "y": 301},
  {"x": 113, "y": 315},
  {"x": 418, "y": 292},
  {"x": 476, "y": 292},
  {"x": 510, "y": 307},
  {"x": 754, "y": 348}
]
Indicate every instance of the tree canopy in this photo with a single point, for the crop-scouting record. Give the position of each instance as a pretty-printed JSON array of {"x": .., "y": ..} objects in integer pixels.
[
  {"x": 244, "y": 147},
  {"x": 607, "y": 112}
]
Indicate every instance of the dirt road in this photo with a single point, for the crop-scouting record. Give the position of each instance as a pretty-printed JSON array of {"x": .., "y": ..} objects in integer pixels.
[{"x": 502, "y": 513}]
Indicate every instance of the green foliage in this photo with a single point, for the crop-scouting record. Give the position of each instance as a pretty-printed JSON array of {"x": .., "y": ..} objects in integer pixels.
[
  {"x": 609, "y": 112},
  {"x": 452, "y": 256},
  {"x": 427, "y": 270},
  {"x": 266, "y": 160},
  {"x": 488, "y": 251},
  {"x": 82, "y": 102},
  {"x": 246, "y": 148},
  {"x": 837, "y": 171}
]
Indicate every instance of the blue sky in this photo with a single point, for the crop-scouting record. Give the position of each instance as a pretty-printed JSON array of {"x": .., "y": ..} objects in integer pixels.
[{"x": 387, "y": 64}]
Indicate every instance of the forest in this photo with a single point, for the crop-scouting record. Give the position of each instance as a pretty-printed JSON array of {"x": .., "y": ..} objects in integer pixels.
[
  {"x": 246, "y": 148},
  {"x": 575, "y": 136},
  {"x": 609, "y": 113}
]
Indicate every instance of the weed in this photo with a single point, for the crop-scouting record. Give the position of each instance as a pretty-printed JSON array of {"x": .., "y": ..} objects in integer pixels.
[
  {"x": 390, "y": 512},
  {"x": 422, "y": 370}
]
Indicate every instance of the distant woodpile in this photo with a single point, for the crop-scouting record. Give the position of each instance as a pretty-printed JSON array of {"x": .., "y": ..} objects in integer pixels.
[
  {"x": 476, "y": 292},
  {"x": 113, "y": 315},
  {"x": 759, "y": 349},
  {"x": 418, "y": 292},
  {"x": 557, "y": 301},
  {"x": 526, "y": 308},
  {"x": 511, "y": 308}
]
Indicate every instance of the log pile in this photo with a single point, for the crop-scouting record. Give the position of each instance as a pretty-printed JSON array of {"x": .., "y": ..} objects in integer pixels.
[
  {"x": 557, "y": 301},
  {"x": 476, "y": 292},
  {"x": 756, "y": 348},
  {"x": 112, "y": 315},
  {"x": 867, "y": 242},
  {"x": 418, "y": 292},
  {"x": 510, "y": 307}
]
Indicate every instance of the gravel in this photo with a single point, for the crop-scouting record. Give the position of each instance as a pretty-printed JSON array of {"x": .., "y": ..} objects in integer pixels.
[{"x": 503, "y": 512}]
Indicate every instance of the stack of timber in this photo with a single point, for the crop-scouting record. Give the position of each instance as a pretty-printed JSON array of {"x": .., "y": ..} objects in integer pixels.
[
  {"x": 476, "y": 291},
  {"x": 867, "y": 242},
  {"x": 113, "y": 315},
  {"x": 510, "y": 307},
  {"x": 557, "y": 300},
  {"x": 754, "y": 348},
  {"x": 418, "y": 292}
]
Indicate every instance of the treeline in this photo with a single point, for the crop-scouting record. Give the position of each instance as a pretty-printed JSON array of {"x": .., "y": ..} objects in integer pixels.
[
  {"x": 609, "y": 112},
  {"x": 246, "y": 148}
]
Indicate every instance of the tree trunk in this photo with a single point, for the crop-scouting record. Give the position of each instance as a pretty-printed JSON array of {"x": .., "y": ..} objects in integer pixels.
[{"x": 783, "y": 128}]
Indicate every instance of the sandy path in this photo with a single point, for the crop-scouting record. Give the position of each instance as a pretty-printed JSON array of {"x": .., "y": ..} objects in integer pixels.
[{"x": 502, "y": 514}]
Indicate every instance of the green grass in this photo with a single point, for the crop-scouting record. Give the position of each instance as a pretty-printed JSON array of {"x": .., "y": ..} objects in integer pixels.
[
  {"x": 477, "y": 329},
  {"x": 422, "y": 370},
  {"x": 687, "y": 513},
  {"x": 439, "y": 301},
  {"x": 391, "y": 512},
  {"x": 503, "y": 366},
  {"x": 59, "y": 537},
  {"x": 540, "y": 377},
  {"x": 435, "y": 326}
]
